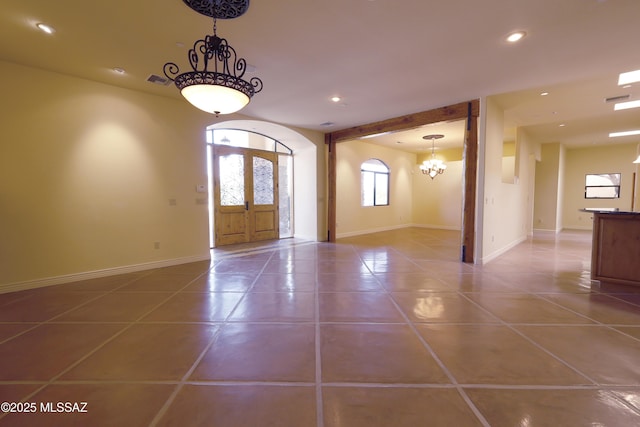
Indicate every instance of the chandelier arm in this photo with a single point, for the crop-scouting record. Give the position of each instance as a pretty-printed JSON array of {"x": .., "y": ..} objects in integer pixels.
[{"x": 171, "y": 70}]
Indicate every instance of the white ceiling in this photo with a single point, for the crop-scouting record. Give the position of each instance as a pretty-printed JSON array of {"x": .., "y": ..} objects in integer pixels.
[{"x": 385, "y": 58}]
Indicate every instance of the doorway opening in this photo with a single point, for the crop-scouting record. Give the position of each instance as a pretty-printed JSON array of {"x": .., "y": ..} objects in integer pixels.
[{"x": 250, "y": 187}]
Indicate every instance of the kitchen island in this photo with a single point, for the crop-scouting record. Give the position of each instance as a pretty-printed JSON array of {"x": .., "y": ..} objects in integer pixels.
[{"x": 615, "y": 252}]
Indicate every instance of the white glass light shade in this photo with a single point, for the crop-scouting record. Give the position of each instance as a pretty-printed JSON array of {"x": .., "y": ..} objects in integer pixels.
[
  {"x": 215, "y": 99},
  {"x": 433, "y": 167},
  {"x": 637, "y": 160}
]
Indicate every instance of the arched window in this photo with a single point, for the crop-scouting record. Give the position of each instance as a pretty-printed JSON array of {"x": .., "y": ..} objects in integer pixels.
[{"x": 374, "y": 176}]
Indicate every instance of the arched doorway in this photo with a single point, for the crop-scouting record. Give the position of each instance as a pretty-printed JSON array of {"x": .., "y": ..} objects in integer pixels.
[{"x": 304, "y": 180}]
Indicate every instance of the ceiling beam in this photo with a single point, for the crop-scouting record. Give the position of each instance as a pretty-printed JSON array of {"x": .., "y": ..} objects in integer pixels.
[{"x": 410, "y": 121}]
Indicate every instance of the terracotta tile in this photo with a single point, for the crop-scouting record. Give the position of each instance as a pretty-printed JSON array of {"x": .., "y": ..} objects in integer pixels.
[
  {"x": 242, "y": 406},
  {"x": 158, "y": 281},
  {"x": 276, "y": 307},
  {"x": 146, "y": 352},
  {"x": 475, "y": 282},
  {"x": 599, "y": 307},
  {"x": 288, "y": 266},
  {"x": 33, "y": 306},
  {"x": 412, "y": 282},
  {"x": 234, "y": 265},
  {"x": 341, "y": 266},
  {"x": 99, "y": 284},
  {"x": 348, "y": 282},
  {"x": 441, "y": 307},
  {"x": 603, "y": 354},
  {"x": 195, "y": 307},
  {"x": 629, "y": 395},
  {"x": 393, "y": 266},
  {"x": 573, "y": 407},
  {"x": 222, "y": 282},
  {"x": 106, "y": 405},
  {"x": 17, "y": 392},
  {"x": 397, "y": 407},
  {"x": 260, "y": 352},
  {"x": 494, "y": 354},
  {"x": 295, "y": 282},
  {"x": 526, "y": 308},
  {"x": 633, "y": 331},
  {"x": 376, "y": 369},
  {"x": 116, "y": 307},
  {"x": 8, "y": 330},
  {"x": 441, "y": 267},
  {"x": 376, "y": 353},
  {"x": 358, "y": 307},
  {"x": 47, "y": 350},
  {"x": 192, "y": 269}
]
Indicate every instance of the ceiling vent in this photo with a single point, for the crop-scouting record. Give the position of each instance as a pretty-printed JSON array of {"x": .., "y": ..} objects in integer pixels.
[
  {"x": 157, "y": 80},
  {"x": 617, "y": 98}
]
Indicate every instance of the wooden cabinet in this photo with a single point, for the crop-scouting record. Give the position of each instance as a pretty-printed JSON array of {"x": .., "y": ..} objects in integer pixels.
[{"x": 615, "y": 255}]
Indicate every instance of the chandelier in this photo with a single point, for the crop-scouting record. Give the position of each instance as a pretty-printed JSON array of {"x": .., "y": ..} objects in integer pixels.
[
  {"x": 216, "y": 83},
  {"x": 433, "y": 166}
]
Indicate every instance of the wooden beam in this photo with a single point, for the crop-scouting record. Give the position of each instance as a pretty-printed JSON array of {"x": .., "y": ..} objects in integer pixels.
[
  {"x": 331, "y": 172},
  {"x": 451, "y": 112},
  {"x": 470, "y": 164}
]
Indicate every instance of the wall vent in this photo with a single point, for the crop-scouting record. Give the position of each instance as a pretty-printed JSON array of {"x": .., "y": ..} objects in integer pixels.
[
  {"x": 158, "y": 80},
  {"x": 617, "y": 98}
]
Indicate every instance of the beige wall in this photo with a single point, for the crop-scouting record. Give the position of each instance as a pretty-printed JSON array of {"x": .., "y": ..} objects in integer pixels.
[
  {"x": 600, "y": 159},
  {"x": 92, "y": 176},
  {"x": 547, "y": 209},
  {"x": 505, "y": 207},
  {"x": 351, "y": 217},
  {"x": 415, "y": 200},
  {"x": 437, "y": 203}
]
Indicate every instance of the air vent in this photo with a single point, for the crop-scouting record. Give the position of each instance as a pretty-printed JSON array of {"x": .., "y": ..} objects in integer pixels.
[
  {"x": 617, "y": 98},
  {"x": 157, "y": 80}
]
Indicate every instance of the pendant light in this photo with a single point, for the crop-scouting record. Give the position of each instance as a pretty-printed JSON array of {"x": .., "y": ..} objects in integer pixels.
[
  {"x": 216, "y": 83},
  {"x": 433, "y": 167}
]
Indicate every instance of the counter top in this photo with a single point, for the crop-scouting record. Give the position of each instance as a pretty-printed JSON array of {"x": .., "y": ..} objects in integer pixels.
[{"x": 608, "y": 211}]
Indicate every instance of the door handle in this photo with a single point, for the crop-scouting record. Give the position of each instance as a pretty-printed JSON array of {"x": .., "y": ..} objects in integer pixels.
[{"x": 246, "y": 206}]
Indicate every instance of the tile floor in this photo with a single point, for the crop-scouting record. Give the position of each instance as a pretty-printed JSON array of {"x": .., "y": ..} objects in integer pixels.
[{"x": 386, "y": 329}]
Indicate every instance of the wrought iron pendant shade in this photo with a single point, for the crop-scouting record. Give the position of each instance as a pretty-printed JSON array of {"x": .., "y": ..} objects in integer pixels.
[
  {"x": 216, "y": 83},
  {"x": 433, "y": 167}
]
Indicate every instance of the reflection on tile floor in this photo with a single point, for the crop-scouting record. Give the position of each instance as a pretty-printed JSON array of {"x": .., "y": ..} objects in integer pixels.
[{"x": 386, "y": 329}]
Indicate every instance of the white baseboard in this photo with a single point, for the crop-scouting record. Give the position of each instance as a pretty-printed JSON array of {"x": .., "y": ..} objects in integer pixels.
[
  {"x": 547, "y": 230},
  {"x": 438, "y": 227},
  {"x": 76, "y": 277},
  {"x": 371, "y": 230},
  {"x": 396, "y": 227},
  {"x": 501, "y": 251}
]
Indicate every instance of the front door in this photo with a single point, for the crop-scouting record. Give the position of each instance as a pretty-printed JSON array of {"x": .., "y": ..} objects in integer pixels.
[{"x": 245, "y": 195}]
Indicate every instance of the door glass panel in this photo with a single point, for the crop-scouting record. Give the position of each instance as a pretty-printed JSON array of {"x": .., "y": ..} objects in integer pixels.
[
  {"x": 285, "y": 193},
  {"x": 262, "y": 181},
  {"x": 231, "y": 179}
]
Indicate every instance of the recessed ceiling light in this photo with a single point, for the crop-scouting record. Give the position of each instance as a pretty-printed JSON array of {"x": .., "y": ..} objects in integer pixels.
[
  {"x": 625, "y": 133},
  {"x": 119, "y": 70},
  {"x": 561, "y": 125},
  {"x": 544, "y": 94},
  {"x": 45, "y": 28},
  {"x": 336, "y": 99},
  {"x": 626, "y": 105},
  {"x": 516, "y": 36},
  {"x": 629, "y": 77}
]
